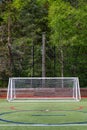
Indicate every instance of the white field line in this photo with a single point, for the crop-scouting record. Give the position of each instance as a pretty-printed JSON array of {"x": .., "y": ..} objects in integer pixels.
[{"x": 43, "y": 125}]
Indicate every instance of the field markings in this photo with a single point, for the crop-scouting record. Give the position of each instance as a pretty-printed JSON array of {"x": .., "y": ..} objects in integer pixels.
[
  {"x": 14, "y": 123},
  {"x": 48, "y": 115},
  {"x": 44, "y": 125}
]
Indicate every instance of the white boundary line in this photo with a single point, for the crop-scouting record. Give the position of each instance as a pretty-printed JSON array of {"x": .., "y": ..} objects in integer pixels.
[{"x": 43, "y": 125}]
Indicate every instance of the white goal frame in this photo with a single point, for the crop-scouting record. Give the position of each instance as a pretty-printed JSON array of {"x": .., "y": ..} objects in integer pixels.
[{"x": 11, "y": 92}]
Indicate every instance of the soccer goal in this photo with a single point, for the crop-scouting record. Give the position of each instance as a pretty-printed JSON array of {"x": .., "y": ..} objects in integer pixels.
[{"x": 43, "y": 89}]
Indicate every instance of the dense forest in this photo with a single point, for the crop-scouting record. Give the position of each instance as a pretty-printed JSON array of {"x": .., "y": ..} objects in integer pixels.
[{"x": 25, "y": 25}]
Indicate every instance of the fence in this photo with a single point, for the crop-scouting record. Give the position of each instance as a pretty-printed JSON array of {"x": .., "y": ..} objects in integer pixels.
[{"x": 3, "y": 92}]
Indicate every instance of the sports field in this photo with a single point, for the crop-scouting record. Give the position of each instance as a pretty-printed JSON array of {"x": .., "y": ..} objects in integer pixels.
[{"x": 43, "y": 115}]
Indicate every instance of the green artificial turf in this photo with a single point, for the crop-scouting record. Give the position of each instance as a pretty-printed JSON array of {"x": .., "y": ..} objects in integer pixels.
[{"x": 68, "y": 115}]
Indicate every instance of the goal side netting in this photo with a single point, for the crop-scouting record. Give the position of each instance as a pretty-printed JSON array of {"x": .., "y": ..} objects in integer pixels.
[{"x": 43, "y": 89}]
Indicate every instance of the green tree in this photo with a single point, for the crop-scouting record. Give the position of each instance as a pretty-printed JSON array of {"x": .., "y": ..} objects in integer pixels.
[
  {"x": 32, "y": 23},
  {"x": 9, "y": 15},
  {"x": 68, "y": 24}
]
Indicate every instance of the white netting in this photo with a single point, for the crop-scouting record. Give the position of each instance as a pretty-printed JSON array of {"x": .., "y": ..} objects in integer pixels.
[{"x": 43, "y": 88}]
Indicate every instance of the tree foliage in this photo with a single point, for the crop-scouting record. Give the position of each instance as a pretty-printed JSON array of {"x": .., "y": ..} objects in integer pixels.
[
  {"x": 21, "y": 26},
  {"x": 68, "y": 23}
]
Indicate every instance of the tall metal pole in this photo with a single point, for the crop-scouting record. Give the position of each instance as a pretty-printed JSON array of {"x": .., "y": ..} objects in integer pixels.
[
  {"x": 43, "y": 55},
  {"x": 43, "y": 59},
  {"x": 32, "y": 58},
  {"x": 54, "y": 61}
]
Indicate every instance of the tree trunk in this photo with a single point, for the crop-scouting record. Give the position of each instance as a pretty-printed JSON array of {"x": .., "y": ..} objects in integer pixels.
[{"x": 9, "y": 44}]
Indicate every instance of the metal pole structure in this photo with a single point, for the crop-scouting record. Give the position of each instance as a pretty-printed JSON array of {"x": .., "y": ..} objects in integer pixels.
[
  {"x": 54, "y": 61},
  {"x": 43, "y": 55},
  {"x": 43, "y": 59},
  {"x": 33, "y": 58}
]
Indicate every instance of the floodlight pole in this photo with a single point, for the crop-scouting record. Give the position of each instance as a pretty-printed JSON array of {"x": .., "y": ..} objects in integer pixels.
[
  {"x": 43, "y": 54},
  {"x": 54, "y": 60},
  {"x": 43, "y": 58},
  {"x": 32, "y": 58}
]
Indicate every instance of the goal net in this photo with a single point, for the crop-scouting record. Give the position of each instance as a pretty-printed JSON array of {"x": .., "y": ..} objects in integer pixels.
[{"x": 43, "y": 89}]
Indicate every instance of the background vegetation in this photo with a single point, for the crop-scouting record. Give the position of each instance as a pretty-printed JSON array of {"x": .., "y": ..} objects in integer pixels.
[{"x": 22, "y": 24}]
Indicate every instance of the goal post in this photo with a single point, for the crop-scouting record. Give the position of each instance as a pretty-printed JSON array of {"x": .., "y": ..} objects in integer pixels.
[{"x": 54, "y": 89}]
